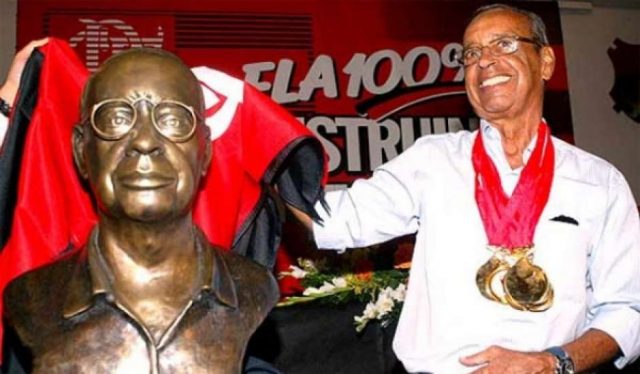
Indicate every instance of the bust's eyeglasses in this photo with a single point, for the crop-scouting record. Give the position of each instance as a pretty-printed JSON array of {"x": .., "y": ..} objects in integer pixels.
[
  {"x": 112, "y": 119},
  {"x": 505, "y": 45}
]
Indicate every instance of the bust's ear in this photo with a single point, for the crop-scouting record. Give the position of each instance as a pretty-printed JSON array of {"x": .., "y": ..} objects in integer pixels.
[
  {"x": 79, "y": 157},
  {"x": 208, "y": 155}
]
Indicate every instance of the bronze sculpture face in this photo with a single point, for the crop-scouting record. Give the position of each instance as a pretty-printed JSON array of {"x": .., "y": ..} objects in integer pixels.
[
  {"x": 143, "y": 175},
  {"x": 148, "y": 293}
]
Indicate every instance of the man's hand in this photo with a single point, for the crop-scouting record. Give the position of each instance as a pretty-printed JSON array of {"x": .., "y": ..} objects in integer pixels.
[
  {"x": 505, "y": 361},
  {"x": 9, "y": 89}
]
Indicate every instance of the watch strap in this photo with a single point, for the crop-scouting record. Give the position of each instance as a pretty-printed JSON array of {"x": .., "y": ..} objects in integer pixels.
[{"x": 564, "y": 363}]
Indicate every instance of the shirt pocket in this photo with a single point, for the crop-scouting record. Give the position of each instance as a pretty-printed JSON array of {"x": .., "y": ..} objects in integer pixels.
[{"x": 562, "y": 252}]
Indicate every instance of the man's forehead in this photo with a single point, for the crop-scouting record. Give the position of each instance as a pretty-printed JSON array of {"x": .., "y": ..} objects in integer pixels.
[{"x": 494, "y": 24}]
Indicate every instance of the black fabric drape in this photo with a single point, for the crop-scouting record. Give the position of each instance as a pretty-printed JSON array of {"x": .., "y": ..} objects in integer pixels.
[{"x": 12, "y": 147}]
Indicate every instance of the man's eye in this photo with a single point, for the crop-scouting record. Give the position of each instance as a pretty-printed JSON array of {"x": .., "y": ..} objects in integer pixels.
[
  {"x": 505, "y": 44},
  {"x": 471, "y": 54}
]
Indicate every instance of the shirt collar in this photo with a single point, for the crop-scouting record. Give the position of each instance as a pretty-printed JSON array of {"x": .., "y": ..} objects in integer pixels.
[
  {"x": 92, "y": 277},
  {"x": 493, "y": 143}
]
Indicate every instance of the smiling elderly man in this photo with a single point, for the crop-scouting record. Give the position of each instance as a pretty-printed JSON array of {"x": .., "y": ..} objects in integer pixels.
[
  {"x": 487, "y": 300},
  {"x": 148, "y": 293}
]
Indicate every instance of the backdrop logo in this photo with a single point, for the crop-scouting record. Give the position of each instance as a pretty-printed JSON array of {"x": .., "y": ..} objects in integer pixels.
[
  {"x": 626, "y": 88},
  {"x": 105, "y": 37},
  {"x": 366, "y": 87}
]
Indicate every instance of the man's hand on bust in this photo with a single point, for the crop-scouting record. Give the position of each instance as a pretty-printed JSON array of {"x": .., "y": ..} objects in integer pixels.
[
  {"x": 505, "y": 361},
  {"x": 10, "y": 87}
]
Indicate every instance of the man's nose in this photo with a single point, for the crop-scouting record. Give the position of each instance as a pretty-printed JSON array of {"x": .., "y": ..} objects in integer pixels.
[
  {"x": 486, "y": 58},
  {"x": 145, "y": 139}
]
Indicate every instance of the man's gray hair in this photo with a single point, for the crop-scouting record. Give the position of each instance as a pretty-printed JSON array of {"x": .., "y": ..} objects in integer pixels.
[{"x": 538, "y": 29}]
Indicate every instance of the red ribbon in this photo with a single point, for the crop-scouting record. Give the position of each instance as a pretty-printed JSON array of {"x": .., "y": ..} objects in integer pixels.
[{"x": 511, "y": 222}]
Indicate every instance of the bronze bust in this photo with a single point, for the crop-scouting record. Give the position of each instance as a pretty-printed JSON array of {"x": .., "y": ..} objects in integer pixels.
[{"x": 148, "y": 293}]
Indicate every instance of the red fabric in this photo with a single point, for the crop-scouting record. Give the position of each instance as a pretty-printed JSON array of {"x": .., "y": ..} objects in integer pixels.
[
  {"x": 255, "y": 138},
  {"x": 511, "y": 222},
  {"x": 54, "y": 212}
]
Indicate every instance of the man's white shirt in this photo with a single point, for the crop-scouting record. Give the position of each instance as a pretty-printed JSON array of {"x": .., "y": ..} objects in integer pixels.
[{"x": 592, "y": 263}]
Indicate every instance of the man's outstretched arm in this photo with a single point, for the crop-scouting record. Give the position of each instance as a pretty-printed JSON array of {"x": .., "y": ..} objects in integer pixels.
[{"x": 9, "y": 88}]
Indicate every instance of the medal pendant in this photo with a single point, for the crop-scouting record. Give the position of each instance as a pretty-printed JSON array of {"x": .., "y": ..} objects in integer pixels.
[
  {"x": 526, "y": 286},
  {"x": 485, "y": 274}
]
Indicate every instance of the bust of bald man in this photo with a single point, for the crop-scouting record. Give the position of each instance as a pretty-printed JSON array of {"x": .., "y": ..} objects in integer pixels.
[{"x": 148, "y": 292}]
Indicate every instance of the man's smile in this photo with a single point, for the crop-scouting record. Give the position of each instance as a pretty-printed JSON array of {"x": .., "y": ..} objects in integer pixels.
[{"x": 495, "y": 80}]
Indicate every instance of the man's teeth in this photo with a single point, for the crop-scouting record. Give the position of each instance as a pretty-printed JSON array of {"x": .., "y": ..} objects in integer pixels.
[{"x": 495, "y": 80}]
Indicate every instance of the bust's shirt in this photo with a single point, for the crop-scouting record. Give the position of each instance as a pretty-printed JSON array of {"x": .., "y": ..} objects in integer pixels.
[{"x": 67, "y": 314}]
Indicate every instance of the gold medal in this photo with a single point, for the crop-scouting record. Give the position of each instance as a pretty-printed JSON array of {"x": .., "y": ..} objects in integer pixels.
[
  {"x": 526, "y": 286},
  {"x": 494, "y": 283},
  {"x": 490, "y": 274},
  {"x": 510, "y": 277},
  {"x": 485, "y": 274}
]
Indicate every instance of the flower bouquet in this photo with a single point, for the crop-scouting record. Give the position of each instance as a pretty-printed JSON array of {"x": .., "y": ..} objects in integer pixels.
[{"x": 356, "y": 278}]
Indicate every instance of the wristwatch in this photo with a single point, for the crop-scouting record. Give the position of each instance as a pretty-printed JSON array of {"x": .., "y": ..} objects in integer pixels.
[
  {"x": 564, "y": 363},
  {"x": 5, "y": 108}
]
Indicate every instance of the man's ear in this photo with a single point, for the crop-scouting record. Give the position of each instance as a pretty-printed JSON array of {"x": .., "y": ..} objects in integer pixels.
[
  {"x": 79, "y": 157},
  {"x": 548, "y": 62}
]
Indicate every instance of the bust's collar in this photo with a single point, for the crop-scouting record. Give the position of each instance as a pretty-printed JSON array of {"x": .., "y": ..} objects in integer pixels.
[{"x": 92, "y": 277}]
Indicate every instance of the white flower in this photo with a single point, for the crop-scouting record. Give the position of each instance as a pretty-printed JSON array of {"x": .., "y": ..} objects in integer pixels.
[
  {"x": 380, "y": 309},
  {"x": 327, "y": 287},
  {"x": 370, "y": 311},
  {"x": 360, "y": 319},
  {"x": 296, "y": 272},
  {"x": 399, "y": 293},
  {"x": 384, "y": 304},
  {"x": 368, "y": 314},
  {"x": 339, "y": 282},
  {"x": 311, "y": 291}
]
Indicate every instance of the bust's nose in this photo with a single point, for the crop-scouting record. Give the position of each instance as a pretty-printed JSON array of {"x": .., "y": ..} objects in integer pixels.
[{"x": 144, "y": 138}]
